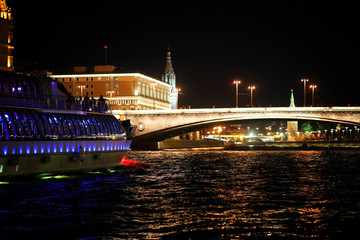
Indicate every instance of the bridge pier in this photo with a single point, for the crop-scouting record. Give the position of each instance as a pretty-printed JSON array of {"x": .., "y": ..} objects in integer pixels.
[
  {"x": 146, "y": 145},
  {"x": 176, "y": 144}
]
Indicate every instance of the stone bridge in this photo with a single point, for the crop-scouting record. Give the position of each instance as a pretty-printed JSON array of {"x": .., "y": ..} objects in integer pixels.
[{"x": 157, "y": 125}]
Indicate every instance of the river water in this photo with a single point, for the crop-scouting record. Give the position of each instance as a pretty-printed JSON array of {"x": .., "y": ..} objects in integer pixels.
[{"x": 194, "y": 195}]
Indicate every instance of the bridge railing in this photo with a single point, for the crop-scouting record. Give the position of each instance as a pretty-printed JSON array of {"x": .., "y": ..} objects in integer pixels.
[{"x": 240, "y": 110}]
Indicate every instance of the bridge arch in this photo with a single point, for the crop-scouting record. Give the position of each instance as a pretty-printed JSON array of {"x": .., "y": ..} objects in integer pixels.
[{"x": 176, "y": 130}]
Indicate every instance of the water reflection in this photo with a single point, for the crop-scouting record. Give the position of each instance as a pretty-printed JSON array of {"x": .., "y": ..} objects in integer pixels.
[{"x": 197, "y": 195}]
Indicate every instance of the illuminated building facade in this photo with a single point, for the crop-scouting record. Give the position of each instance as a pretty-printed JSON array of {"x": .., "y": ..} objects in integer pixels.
[
  {"x": 124, "y": 91},
  {"x": 6, "y": 38}
]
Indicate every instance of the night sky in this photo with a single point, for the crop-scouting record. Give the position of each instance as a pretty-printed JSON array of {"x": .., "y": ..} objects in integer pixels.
[{"x": 271, "y": 44}]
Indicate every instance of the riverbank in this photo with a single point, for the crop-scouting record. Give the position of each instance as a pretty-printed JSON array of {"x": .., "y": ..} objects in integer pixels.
[{"x": 315, "y": 145}]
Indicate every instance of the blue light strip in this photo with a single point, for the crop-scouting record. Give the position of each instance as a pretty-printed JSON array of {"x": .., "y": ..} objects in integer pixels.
[{"x": 59, "y": 147}]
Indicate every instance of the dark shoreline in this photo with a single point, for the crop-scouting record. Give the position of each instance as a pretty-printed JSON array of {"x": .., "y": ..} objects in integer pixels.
[{"x": 282, "y": 148}]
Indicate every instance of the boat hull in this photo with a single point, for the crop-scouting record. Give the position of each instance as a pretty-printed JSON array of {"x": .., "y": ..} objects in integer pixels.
[{"x": 60, "y": 156}]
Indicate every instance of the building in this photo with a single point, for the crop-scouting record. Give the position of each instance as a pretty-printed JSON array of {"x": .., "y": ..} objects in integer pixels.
[
  {"x": 124, "y": 91},
  {"x": 170, "y": 77},
  {"x": 6, "y": 38}
]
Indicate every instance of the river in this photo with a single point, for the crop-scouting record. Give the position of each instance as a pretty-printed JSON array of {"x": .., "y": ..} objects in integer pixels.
[{"x": 199, "y": 194}]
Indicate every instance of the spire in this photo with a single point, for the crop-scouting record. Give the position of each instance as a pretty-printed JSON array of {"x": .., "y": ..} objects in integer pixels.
[
  {"x": 170, "y": 78},
  {"x": 169, "y": 74},
  {"x": 169, "y": 70},
  {"x": 292, "y": 100}
]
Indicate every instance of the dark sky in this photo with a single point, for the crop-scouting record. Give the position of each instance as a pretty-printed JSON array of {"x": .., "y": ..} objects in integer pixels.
[{"x": 271, "y": 44}]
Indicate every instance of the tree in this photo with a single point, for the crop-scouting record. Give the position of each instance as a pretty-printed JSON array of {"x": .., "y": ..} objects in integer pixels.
[{"x": 306, "y": 127}]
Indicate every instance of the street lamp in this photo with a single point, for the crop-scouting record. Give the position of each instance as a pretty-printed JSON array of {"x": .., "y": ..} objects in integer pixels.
[
  {"x": 177, "y": 90},
  {"x": 237, "y": 82},
  {"x": 153, "y": 86},
  {"x": 252, "y": 87},
  {"x": 304, "y": 80},
  {"x": 313, "y": 89}
]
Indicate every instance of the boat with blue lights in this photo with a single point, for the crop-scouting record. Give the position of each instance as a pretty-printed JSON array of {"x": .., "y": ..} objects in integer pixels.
[{"x": 44, "y": 129}]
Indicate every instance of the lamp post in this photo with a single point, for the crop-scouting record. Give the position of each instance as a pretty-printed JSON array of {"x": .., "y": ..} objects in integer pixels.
[
  {"x": 313, "y": 89},
  {"x": 252, "y": 87},
  {"x": 237, "y": 82},
  {"x": 178, "y": 90},
  {"x": 153, "y": 86},
  {"x": 304, "y": 80}
]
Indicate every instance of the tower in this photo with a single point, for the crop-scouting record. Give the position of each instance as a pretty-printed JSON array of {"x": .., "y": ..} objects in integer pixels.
[
  {"x": 6, "y": 38},
  {"x": 292, "y": 126},
  {"x": 170, "y": 78},
  {"x": 292, "y": 100}
]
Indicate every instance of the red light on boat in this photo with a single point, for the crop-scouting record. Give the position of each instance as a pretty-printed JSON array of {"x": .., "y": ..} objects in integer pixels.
[{"x": 130, "y": 163}]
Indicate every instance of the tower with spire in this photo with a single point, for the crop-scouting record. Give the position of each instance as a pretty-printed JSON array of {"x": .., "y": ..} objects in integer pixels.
[
  {"x": 292, "y": 126},
  {"x": 170, "y": 78},
  {"x": 292, "y": 100}
]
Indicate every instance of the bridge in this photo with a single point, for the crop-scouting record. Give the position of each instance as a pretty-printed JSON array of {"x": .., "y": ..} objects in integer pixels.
[{"x": 158, "y": 125}]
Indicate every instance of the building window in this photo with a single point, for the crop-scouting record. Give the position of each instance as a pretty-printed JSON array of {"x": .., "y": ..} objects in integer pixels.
[
  {"x": 92, "y": 86},
  {"x": 69, "y": 86},
  {"x": 99, "y": 78},
  {"x": 92, "y": 79},
  {"x": 116, "y": 78},
  {"x": 116, "y": 85},
  {"x": 143, "y": 90},
  {"x": 107, "y": 86},
  {"x": 139, "y": 88}
]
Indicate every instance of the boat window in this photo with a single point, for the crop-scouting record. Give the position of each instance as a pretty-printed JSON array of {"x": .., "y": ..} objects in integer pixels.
[
  {"x": 91, "y": 125},
  {"x": 3, "y": 128},
  {"x": 10, "y": 125},
  {"x": 63, "y": 125},
  {"x": 78, "y": 128},
  {"x": 33, "y": 129},
  {"x": 18, "y": 127},
  {"x": 59, "y": 128},
  {"x": 71, "y": 126},
  {"x": 24, "y": 122},
  {"x": 92, "y": 119},
  {"x": 43, "y": 128},
  {"x": 53, "y": 126},
  {"x": 80, "y": 125},
  {"x": 86, "y": 126},
  {"x": 47, "y": 126},
  {"x": 102, "y": 130},
  {"x": 111, "y": 128},
  {"x": 105, "y": 125},
  {"x": 117, "y": 125}
]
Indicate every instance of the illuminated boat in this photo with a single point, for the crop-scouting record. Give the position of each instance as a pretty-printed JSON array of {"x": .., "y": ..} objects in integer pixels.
[{"x": 44, "y": 129}]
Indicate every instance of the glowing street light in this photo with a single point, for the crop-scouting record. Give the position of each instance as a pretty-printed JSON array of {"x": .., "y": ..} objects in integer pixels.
[
  {"x": 252, "y": 87},
  {"x": 313, "y": 89},
  {"x": 304, "y": 80},
  {"x": 177, "y": 90},
  {"x": 237, "y": 82}
]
